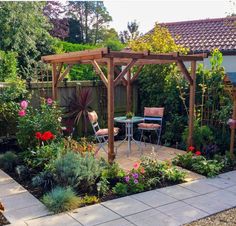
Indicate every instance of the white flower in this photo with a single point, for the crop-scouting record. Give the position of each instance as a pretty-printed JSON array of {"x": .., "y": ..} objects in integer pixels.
[{"x": 59, "y": 119}]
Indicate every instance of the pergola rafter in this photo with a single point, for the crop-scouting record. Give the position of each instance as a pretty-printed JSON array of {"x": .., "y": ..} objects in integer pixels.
[{"x": 129, "y": 59}]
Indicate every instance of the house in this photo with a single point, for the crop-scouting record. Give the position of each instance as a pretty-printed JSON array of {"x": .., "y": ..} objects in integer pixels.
[{"x": 202, "y": 36}]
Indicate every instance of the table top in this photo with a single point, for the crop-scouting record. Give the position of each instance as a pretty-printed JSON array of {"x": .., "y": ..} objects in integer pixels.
[{"x": 123, "y": 119}]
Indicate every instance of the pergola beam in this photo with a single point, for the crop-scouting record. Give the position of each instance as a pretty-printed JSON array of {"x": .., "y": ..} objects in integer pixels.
[
  {"x": 184, "y": 71},
  {"x": 126, "y": 69},
  {"x": 137, "y": 73},
  {"x": 62, "y": 76}
]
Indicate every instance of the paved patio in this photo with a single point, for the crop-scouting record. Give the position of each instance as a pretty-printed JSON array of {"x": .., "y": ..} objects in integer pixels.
[
  {"x": 158, "y": 152},
  {"x": 170, "y": 206}
]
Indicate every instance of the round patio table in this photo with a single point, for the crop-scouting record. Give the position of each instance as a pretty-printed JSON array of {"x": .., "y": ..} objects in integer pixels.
[{"x": 129, "y": 130}]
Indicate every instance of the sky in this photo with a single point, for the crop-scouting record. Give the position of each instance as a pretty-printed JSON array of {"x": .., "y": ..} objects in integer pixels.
[{"x": 146, "y": 13}]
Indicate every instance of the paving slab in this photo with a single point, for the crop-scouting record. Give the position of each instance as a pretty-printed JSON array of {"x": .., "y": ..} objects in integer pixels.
[
  {"x": 126, "y": 206},
  {"x": 152, "y": 217},
  {"x": 207, "y": 204},
  {"x": 229, "y": 176},
  {"x": 153, "y": 198},
  {"x": 178, "y": 192},
  {"x": 55, "y": 220},
  {"x": 182, "y": 212},
  {"x": 220, "y": 182},
  {"x": 199, "y": 186},
  {"x": 223, "y": 196},
  {"x": 10, "y": 189},
  {"x": 26, "y": 213},
  {"x": 4, "y": 178},
  {"x": 118, "y": 222},
  {"x": 93, "y": 215},
  {"x": 19, "y": 201},
  {"x": 231, "y": 189}
]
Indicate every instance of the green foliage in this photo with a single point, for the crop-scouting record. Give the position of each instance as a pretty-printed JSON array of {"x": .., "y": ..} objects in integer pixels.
[
  {"x": 22, "y": 171},
  {"x": 103, "y": 186},
  {"x": 199, "y": 164},
  {"x": 24, "y": 30},
  {"x": 120, "y": 189},
  {"x": 202, "y": 135},
  {"x": 114, "y": 44},
  {"x": 88, "y": 200},
  {"x": 45, "y": 118},
  {"x": 61, "y": 199},
  {"x": 40, "y": 157},
  {"x": 44, "y": 180},
  {"x": 8, "y": 161},
  {"x": 112, "y": 171},
  {"x": 75, "y": 170}
]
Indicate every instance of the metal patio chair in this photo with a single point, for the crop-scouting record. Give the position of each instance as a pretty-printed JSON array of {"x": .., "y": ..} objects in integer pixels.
[
  {"x": 100, "y": 134},
  {"x": 153, "y": 117}
]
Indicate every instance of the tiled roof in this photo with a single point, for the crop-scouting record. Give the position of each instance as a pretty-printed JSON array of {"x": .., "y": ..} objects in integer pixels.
[{"x": 205, "y": 35}]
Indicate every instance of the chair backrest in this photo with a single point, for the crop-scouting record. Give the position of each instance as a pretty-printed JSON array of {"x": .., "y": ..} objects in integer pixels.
[
  {"x": 93, "y": 118},
  {"x": 153, "y": 114}
]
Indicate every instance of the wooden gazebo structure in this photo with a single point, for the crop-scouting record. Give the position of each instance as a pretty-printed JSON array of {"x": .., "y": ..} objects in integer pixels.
[{"x": 127, "y": 59}]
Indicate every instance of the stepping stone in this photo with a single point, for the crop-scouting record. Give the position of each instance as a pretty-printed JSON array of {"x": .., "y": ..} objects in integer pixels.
[
  {"x": 178, "y": 192},
  {"x": 26, "y": 213},
  {"x": 54, "y": 220},
  {"x": 119, "y": 222},
  {"x": 207, "y": 204},
  {"x": 199, "y": 186},
  {"x": 10, "y": 189},
  {"x": 152, "y": 218},
  {"x": 19, "y": 201},
  {"x": 4, "y": 178},
  {"x": 219, "y": 182},
  {"x": 126, "y": 206},
  {"x": 153, "y": 198},
  {"x": 182, "y": 212},
  {"x": 93, "y": 215}
]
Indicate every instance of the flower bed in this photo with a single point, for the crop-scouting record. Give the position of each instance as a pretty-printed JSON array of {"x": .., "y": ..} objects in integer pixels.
[{"x": 65, "y": 174}]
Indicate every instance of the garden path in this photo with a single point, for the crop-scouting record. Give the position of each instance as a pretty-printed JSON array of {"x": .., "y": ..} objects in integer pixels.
[{"x": 169, "y": 206}]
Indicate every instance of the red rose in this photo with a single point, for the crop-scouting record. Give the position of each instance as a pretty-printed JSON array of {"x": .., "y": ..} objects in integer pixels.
[
  {"x": 198, "y": 153},
  {"x": 47, "y": 136},
  {"x": 38, "y": 135},
  {"x": 191, "y": 148}
]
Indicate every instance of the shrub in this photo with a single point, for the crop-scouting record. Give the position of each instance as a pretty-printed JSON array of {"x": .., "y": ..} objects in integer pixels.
[
  {"x": 76, "y": 170},
  {"x": 44, "y": 180},
  {"x": 199, "y": 164},
  {"x": 46, "y": 118},
  {"x": 61, "y": 199},
  {"x": 120, "y": 189},
  {"x": 22, "y": 171},
  {"x": 89, "y": 200},
  {"x": 8, "y": 161}
]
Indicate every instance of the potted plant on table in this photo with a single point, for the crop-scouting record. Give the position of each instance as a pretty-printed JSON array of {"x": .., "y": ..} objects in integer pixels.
[{"x": 129, "y": 115}]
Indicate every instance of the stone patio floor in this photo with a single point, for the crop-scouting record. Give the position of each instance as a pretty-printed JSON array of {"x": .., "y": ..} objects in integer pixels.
[{"x": 174, "y": 205}]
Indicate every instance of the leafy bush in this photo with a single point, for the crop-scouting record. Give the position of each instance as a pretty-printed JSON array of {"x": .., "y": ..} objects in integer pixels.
[
  {"x": 120, "y": 189},
  {"x": 199, "y": 164},
  {"x": 39, "y": 158},
  {"x": 8, "y": 161},
  {"x": 44, "y": 180},
  {"x": 61, "y": 199},
  {"x": 88, "y": 200},
  {"x": 46, "y": 118},
  {"x": 22, "y": 172},
  {"x": 76, "y": 170},
  {"x": 202, "y": 135}
]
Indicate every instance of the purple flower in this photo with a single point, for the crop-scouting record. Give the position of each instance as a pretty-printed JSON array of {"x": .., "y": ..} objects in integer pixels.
[
  {"x": 135, "y": 181},
  {"x": 127, "y": 179},
  {"x": 135, "y": 175}
]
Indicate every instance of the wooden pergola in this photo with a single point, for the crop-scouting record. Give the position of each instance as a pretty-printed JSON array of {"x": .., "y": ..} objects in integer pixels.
[{"x": 127, "y": 59}]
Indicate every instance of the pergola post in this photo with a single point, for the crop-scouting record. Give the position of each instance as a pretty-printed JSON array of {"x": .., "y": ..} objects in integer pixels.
[
  {"x": 110, "y": 109},
  {"x": 192, "y": 103},
  {"x": 54, "y": 77},
  {"x": 232, "y": 136},
  {"x": 128, "y": 92}
]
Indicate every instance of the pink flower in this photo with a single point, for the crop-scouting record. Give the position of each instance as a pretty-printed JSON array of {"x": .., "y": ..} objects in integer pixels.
[
  {"x": 142, "y": 170},
  {"x": 22, "y": 113},
  {"x": 198, "y": 153},
  {"x": 136, "y": 165},
  {"x": 135, "y": 181},
  {"x": 49, "y": 101},
  {"x": 24, "y": 104}
]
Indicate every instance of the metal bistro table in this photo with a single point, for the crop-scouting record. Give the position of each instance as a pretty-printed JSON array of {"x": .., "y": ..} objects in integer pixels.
[{"x": 129, "y": 130}]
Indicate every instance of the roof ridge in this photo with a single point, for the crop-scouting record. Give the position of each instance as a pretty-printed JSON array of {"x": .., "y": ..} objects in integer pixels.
[{"x": 199, "y": 21}]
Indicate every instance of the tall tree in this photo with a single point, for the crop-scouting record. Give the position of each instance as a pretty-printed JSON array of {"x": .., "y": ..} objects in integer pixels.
[
  {"x": 55, "y": 11},
  {"x": 132, "y": 32},
  {"x": 92, "y": 17},
  {"x": 24, "y": 29}
]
